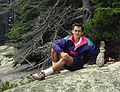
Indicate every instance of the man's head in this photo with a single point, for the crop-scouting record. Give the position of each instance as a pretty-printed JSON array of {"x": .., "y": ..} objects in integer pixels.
[{"x": 77, "y": 30}]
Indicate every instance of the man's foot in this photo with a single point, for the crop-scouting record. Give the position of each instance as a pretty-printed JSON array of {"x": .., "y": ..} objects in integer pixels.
[{"x": 39, "y": 76}]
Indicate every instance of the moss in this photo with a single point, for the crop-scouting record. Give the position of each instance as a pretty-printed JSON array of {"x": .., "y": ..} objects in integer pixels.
[
  {"x": 87, "y": 85},
  {"x": 116, "y": 83},
  {"x": 7, "y": 85}
]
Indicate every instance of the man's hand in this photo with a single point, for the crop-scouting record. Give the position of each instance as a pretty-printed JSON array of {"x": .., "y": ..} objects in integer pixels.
[
  {"x": 64, "y": 55},
  {"x": 67, "y": 58}
]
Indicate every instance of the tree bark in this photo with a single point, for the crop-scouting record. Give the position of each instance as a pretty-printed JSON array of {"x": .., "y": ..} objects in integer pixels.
[{"x": 87, "y": 10}]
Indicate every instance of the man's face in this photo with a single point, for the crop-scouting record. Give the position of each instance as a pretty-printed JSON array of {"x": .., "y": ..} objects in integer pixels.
[{"x": 77, "y": 32}]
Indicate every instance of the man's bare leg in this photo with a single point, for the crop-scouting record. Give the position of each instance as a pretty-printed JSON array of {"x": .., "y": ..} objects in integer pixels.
[
  {"x": 58, "y": 66},
  {"x": 58, "y": 62},
  {"x": 55, "y": 56},
  {"x": 68, "y": 60}
]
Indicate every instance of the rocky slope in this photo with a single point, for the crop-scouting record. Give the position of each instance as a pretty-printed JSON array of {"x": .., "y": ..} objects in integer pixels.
[
  {"x": 7, "y": 73},
  {"x": 89, "y": 79}
]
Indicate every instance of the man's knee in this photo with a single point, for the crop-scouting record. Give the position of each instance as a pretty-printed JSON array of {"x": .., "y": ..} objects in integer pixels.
[
  {"x": 53, "y": 51},
  {"x": 55, "y": 54},
  {"x": 67, "y": 60}
]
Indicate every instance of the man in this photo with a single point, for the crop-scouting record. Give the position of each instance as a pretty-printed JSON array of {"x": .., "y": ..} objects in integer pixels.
[{"x": 70, "y": 53}]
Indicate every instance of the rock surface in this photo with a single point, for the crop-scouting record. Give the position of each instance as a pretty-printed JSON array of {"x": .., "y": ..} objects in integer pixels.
[
  {"x": 6, "y": 53},
  {"x": 7, "y": 73},
  {"x": 89, "y": 79}
]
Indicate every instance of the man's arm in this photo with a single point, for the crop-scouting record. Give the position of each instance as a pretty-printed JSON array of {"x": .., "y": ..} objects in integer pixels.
[
  {"x": 58, "y": 45},
  {"x": 93, "y": 53}
]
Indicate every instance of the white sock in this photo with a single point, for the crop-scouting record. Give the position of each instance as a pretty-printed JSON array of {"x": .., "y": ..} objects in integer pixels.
[{"x": 48, "y": 71}]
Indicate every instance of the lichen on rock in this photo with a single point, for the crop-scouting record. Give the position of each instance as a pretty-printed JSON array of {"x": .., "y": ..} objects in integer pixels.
[{"x": 89, "y": 79}]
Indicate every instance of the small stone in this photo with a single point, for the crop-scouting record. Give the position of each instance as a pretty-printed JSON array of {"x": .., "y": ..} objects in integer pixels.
[{"x": 100, "y": 58}]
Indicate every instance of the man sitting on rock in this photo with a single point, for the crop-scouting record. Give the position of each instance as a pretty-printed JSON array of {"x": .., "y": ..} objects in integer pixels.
[{"x": 70, "y": 53}]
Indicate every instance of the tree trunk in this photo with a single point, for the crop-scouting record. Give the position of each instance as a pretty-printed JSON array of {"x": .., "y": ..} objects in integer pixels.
[{"x": 87, "y": 10}]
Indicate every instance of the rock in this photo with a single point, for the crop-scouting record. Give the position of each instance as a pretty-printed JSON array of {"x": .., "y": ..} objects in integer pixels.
[
  {"x": 6, "y": 54},
  {"x": 2, "y": 48},
  {"x": 100, "y": 58},
  {"x": 89, "y": 79},
  {"x": 7, "y": 72},
  {"x": 10, "y": 50}
]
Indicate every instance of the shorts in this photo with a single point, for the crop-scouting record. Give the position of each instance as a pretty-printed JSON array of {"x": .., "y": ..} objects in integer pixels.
[{"x": 77, "y": 64}]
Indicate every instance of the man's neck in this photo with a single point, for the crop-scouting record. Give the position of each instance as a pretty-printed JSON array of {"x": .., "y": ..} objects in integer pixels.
[{"x": 77, "y": 40}]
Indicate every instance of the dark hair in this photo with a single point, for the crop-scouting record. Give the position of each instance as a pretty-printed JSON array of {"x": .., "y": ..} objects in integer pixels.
[{"x": 79, "y": 25}]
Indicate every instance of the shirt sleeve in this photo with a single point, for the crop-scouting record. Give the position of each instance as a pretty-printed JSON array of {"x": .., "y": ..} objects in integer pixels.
[
  {"x": 58, "y": 45},
  {"x": 94, "y": 52}
]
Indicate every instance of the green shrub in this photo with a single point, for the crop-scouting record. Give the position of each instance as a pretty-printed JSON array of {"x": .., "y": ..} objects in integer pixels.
[
  {"x": 31, "y": 14},
  {"x": 103, "y": 3},
  {"x": 116, "y": 5},
  {"x": 26, "y": 13},
  {"x": 104, "y": 25},
  {"x": 19, "y": 29}
]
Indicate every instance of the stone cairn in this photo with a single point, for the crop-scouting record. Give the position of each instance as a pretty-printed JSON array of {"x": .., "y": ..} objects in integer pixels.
[{"x": 100, "y": 58}]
